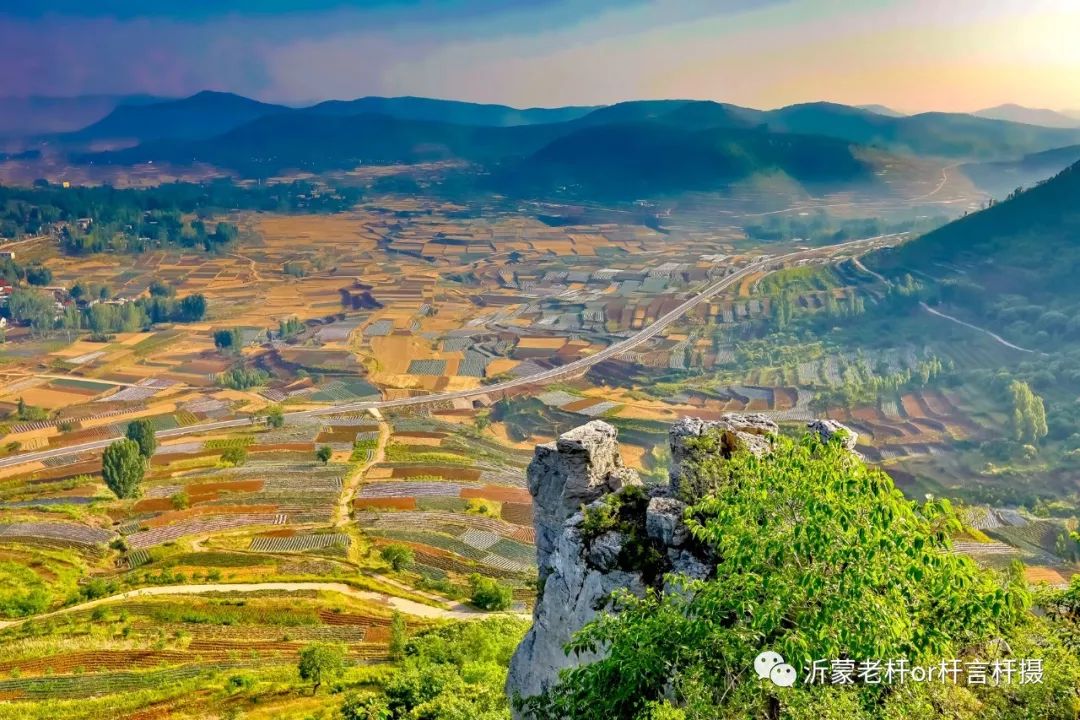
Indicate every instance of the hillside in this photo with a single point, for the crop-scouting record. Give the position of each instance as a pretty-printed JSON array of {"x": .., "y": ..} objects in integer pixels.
[
  {"x": 1003, "y": 177},
  {"x": 941, "y": 134},
  {"x": 200, "y": 116},
  {"x": 312, "y": 142},
  {"x": 683, "y": 144},
  {"x": 1013, "y": 265},
  {"x": 652, "y": 158}
]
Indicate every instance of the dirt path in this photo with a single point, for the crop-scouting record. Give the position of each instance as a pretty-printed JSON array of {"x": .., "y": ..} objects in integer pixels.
[
  {"x": 348, "y": 490},
  {"x": 408, "y": 607},
  {"x": 252, "y": 265},
  {"x": 984, "y": 331}
]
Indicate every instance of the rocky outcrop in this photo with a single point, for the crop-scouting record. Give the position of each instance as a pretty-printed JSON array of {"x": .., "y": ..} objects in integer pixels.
[
  {"x": 573, "y": 471},
  {"x": 828, "y": 429},
  {"x": 594, "y": 518}
]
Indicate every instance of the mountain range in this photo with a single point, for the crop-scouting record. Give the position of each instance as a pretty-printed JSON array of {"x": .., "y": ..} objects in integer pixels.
[{"x": 622, "y": 150}]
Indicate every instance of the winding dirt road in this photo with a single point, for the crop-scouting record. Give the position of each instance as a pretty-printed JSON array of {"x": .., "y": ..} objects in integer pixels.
[{"x": 408, "y": 607}]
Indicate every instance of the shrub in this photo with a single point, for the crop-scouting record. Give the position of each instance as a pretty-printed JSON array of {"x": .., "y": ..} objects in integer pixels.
[
  {"x": 400, "y": 557},
  {"x": 488, "y": 594},
  {"x": 234, "y": 456}
]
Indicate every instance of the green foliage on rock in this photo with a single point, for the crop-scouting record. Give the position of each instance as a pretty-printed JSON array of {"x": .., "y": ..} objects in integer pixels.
[{"x": 817, "y": 557}]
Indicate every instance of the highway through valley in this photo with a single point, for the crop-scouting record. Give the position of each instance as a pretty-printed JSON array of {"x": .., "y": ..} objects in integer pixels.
[{"x": 765, "y": 263}]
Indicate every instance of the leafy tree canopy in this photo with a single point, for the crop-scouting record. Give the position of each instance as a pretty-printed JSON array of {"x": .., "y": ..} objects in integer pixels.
[{"x": 123, "y": 467}]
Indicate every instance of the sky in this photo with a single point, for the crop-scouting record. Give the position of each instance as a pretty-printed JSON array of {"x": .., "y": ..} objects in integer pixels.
[{"x": 912, "y": 55}]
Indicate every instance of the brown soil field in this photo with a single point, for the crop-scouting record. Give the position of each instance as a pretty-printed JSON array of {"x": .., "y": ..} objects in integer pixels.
[
  {"x": 177, "y": 515},
  {"x": 394, "y": 503},
  {"x": 225, "y": 486},
  {"x": 282, "y": 533},
  {"x": 450, "y": 473},
  {"x": 497, "y": 492},
  {"x": 283, "y": 447},
  {"x": 517, "y": 513}
]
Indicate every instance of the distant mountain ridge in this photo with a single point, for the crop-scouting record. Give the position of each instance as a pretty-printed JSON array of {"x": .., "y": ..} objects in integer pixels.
[
  {"x": 40, "y": 115},
  {"x": 203, "y": 115},
  {"x": 882, "y": 110},
  {"x": 1030, "y": 116},
  {"x": 1003, "y": 177},
  {"x": 628, "y": 149},
  {"x": 450, "y": 111}
]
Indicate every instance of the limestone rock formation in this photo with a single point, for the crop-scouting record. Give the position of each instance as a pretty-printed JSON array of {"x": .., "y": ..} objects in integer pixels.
[
  {"x": 581, "y": 565},
  {"x": 827, "y": 429}
]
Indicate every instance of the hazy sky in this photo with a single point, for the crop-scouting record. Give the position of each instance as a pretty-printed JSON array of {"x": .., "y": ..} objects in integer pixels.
[{"x": 909, "y": 54}]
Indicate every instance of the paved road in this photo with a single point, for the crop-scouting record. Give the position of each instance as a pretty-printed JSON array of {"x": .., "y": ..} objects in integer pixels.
[
  {"x": 409, "y": 607},
  {"x": 766, "y": 263}
]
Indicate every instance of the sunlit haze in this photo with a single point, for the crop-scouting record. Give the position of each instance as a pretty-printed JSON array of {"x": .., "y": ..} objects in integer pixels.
[{"x": 912, "y": 56}]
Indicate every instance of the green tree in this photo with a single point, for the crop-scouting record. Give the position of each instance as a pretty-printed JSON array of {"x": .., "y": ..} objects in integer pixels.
[
  {"x": 399, "y": 635},
  {"x": 38, "y": 275},
  {"x": 123, "y": 467},
  {"x": 227, "y": 339},
  {"x": 234, "y": 456},
  {"x": 324, "y": 453},
  {"x": 1028, "y": 418},
  {"x": 33, "y": 307},
  {"x": 489, "y": 594},
  {"x": 275, "y": 416},
  {"x": 192, "y": 308},
  {"x": 289, "y": 327},
  {"x": 818, "y": 556},
  {"x": 399, "y": 557},
  {"x": 144, "y": 433},
  {"x": 321, "y": 662}
]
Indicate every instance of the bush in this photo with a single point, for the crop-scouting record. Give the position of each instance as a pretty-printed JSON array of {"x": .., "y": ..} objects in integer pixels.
[
  {"x": 817, "y": 556},
  {"x": 240, "y": 378},
  {"x": 181, "y": 501},
  {"x": 488, "y": 594},
  {"x": 234, "y": 456},
  {"x": 400, "y": 557}
]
